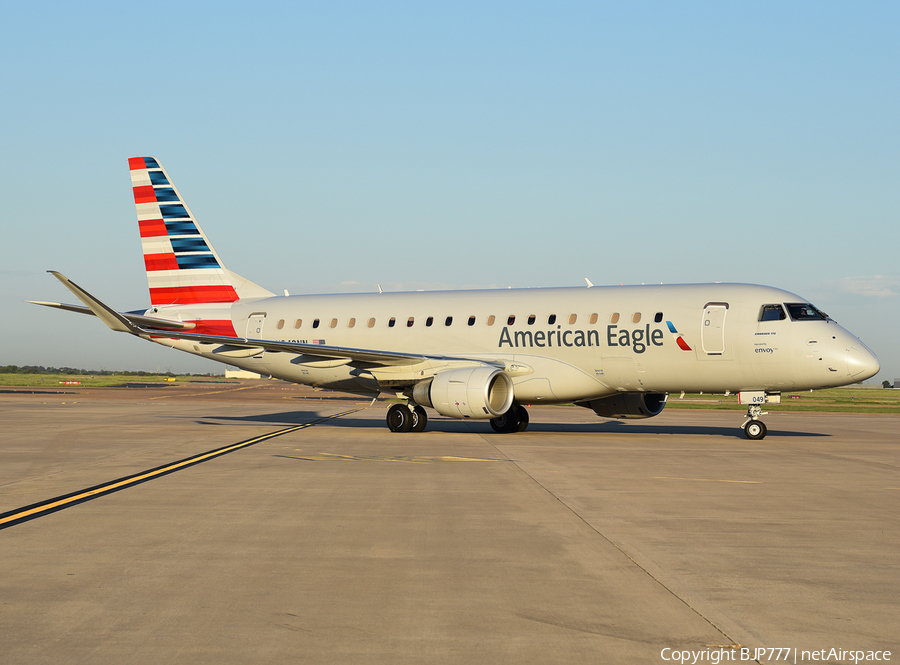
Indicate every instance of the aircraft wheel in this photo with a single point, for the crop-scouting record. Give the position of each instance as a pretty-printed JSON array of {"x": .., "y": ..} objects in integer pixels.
[
  {"x": 755, "y": 430},
  {"x": 509, "y": 422},
  {"x": 522, "y": 414},
  {"x": 399, "y": 418},
  {"x": 420, "y": 419}
]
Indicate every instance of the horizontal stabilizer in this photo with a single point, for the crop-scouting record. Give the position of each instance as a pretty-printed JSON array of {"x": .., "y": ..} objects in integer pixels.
[{"x": 146, "y": 321}]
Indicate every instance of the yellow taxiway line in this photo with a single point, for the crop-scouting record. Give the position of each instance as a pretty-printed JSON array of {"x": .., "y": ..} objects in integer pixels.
[
  {"x": 710, "y": 480},
  {"x": 413, "y": 459},
  {"x": 48, "y": 506}
]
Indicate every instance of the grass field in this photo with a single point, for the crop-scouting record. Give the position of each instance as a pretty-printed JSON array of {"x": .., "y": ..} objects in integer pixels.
[
  {"x": 868, "y": 399},
  {"x": 86, "y": 380},
  {"x": 835, "y": 400}
]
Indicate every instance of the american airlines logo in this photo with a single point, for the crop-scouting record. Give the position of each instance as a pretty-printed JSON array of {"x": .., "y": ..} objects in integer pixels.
[
  {"x": 679, "y": 339},
  {"x": 637, "y": 339}
]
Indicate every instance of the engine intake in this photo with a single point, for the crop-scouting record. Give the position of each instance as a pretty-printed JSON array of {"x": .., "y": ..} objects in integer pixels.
[
  {"x": 628, "y": 405},
  {"x": 472, "y": 392}
]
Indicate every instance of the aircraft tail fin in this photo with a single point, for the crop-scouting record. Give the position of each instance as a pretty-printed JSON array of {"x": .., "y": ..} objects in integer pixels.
[{"x": 182, "y": 265}]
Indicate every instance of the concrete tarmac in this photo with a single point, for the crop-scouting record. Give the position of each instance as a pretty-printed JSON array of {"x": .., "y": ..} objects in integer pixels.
[{"x": 580, "y": 540}]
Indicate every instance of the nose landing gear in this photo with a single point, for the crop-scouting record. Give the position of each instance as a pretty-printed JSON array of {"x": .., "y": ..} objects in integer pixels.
[{"x": 753, "y": 427}]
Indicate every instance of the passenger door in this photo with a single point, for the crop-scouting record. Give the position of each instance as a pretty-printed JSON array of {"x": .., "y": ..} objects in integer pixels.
[
  {"x": 712, "y": 329},
  {"x": 255, "y": 325}
]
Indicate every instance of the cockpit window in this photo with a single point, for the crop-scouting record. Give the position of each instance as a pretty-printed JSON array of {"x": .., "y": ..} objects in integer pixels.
[
  {"x": 803, "y": 311},
  {"x": 772, "y": 313}
]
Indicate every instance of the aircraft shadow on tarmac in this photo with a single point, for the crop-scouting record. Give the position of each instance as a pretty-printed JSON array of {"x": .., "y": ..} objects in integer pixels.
[
  {"x": 616, "y": 427},
  {"x": 36, "y": 392},
  {"x": 285, "y": 418},
  {"x": 450, "y": 425}
]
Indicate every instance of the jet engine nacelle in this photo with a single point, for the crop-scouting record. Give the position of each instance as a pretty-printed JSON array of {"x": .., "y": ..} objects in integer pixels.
[
  {"x": 472, "y": 392},
  {"x": 629, "y": 405}
]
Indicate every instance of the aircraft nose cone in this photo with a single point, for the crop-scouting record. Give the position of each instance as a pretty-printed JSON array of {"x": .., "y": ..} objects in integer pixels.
[{"x": 861, "y": 363}]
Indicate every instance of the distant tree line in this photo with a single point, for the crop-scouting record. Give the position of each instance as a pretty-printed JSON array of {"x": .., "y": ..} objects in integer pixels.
[{"x": 40, "y": 369}]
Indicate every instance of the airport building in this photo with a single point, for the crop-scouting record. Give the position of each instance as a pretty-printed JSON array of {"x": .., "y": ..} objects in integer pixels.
[{"x": 235, "y": 373}]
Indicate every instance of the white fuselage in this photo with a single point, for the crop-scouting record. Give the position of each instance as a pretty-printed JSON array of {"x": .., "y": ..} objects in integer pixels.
[{"x": 558, "y": 344}]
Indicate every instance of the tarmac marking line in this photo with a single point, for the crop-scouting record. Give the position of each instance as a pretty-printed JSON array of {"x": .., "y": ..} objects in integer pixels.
[
  {"x": 413, "y": 459},
  {"x": 35, "y": 510},
  {"x": 710, "y": 480},
  {"x": 211, "y": 392},
  {"x": 620, "y": 548}
]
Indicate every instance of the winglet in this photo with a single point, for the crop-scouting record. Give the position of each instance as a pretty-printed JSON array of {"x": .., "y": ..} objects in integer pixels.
[{"x": 103, "y": 312}]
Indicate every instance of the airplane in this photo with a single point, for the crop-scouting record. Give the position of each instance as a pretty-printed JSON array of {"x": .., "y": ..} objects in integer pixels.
[{"x": 480, "y": 354}]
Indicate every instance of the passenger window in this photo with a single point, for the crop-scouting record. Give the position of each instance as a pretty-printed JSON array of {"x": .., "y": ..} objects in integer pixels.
[
  {"x": 614, "y": 318},
  {"x": 281, "y": 324},
  {"x": 429, "y": 321},
  {"x": 573, "y": 318},
  {"x": 772, "y": 313},
  {"x": 491, "y": 320},
  {"x": 511, "y": 320},
  {"x": 316, "y": 323},
  {"x": 371, "y": 323},
  {"x": 636, "y": 318},
  {"x": 551, "y": 319},
  {"x": 594, "y": 318},
  {"x": 334, "y": 323},
  {"x": 531, "y": 319},
  {"x": 448, "y": 321},
  {"x": 392, "y": 322},
  {"x": 471, "y": 320},
  {"x": 298, "y": 323},
  {"x": 658, "y": 318},
  {"x": 351, "y": 323},
  {"x": 409, "y": 323}
]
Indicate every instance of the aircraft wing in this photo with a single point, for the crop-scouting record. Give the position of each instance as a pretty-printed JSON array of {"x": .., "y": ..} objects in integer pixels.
[
  {"x": 238, "y": 347},
  {"x": 233, "y": 345}
]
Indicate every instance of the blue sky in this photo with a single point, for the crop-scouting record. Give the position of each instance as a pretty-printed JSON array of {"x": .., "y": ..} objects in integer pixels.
[{"x": 332, "y": 146}]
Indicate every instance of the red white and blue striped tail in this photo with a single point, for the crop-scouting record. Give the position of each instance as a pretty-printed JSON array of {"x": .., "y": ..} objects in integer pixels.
[{"x": 182, "y": 266}]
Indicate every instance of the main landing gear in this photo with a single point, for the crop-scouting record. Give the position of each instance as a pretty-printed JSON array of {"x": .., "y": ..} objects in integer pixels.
[
  {"x": 514, "y": 420},
  {"x": 411, "y": 418},
  {"x": 406, "y": 418},
  {"x": 753, "y": 427}
]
